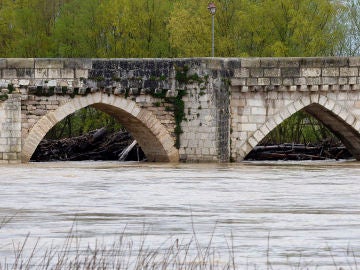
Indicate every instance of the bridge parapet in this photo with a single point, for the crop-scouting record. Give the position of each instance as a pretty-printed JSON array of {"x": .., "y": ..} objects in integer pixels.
[
  {"x": 81, "y": 76},
  {"x": 297, "y": 74}
]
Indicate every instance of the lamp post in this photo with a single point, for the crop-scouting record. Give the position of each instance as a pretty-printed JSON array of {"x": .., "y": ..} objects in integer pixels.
[{"x": 212, "y": 10}]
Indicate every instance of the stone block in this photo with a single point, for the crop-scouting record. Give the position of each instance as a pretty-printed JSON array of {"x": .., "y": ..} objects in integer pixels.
[
  {"x": 330, "y": 104},
  {"x": 288, "y": 81},
  {"x": 264, "y": 81},
  {"x": 49, "y": 63},
  {"x": 313, "y": 81},
  {"x": 349, "y": 72},
  {"x": 247, "y": 127},
  {"x": 3, "y": 63},
  {"x": 285, "y": 113},
  {"x": 9, "y": 73},
  {"x": 314, "y": 98},
  {"x": 311, "y": 62},
  {"x": 81, "y": 73},
  {"x": 289, "y": 63},
  {"x": 311, "y": 72},
  {"x": 54, "y": 73},
  {"x": 251, "y": 81},
  {"x": 300, "y": 81},
  {"x": 354, "y": 61},
  {"x": 238, "y": 82},
  {"x": 270, "y": 62},
  {"x": 343, "y": 80},
  {"x": 242, "y": 73},
  {"x": 255, "y": 102},
  {"x": 265, "y": 129},
  {"x": 250, "y": 62},
  {"x": 15, "y": 148},
  {"x": 67, "y": 73},
  {"x": 271, "y": 124},
  {"x": 20, "y": 63},
  {"x": 275, "y": 81},
  {"x": 306, "y": 100},
  {"x": 258, "y": 110},
  {"x": 278, "y": 119},
  {"x": 350, "y": 119},
  {"x": 78, "y": 63},
  {"x": 290, "y": 72},
  {"x": 330, "y": 80},
  {"x": 322, "y": 100},
  {"x": 330, "y": 72},
  {"x": 314, "y": 88},
  {"x": 244, "y": 89},
  {"x": 272, "y": 72},
  {"x": 205, "y": 151},
  {"x": 25, "y": 73},
  {"x": 293, "y": 88},
  {"x": 352, "y": 80},
  {"x": 335, "y": 61},
  {"x": 41, "y": 73},
  {"x": 304, "y": 88},
  {"x": 257, "y": 119},
  {"x": 10, "y": 156},
  {"x": 253, "y": 142},
  {"x": 257, "y": 72},
  {"x": 258, "y": 135},
  {"x": 342, "y": 114}
]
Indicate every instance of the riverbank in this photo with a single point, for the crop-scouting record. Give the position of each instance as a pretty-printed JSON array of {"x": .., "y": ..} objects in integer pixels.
[{"x": 174, "y": 254}]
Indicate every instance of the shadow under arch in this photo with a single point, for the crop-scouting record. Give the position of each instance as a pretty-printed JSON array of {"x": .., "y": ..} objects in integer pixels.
[
  {"x": 335, "y": 117},
  {"x": 152, "y": 136}
]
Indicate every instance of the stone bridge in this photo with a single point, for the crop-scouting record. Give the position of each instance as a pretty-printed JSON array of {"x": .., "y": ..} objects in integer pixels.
[{"x": 194, "y": 110}]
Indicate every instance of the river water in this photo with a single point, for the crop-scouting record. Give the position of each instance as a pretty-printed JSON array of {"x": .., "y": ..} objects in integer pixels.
[{"x": 290, "y": 214}]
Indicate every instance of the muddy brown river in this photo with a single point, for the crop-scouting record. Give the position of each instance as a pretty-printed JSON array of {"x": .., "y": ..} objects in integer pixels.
[{"x": 293, "y": 214}]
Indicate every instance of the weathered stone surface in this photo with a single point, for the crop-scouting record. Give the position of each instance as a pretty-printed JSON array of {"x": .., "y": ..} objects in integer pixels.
[
  {"x": 290, "y": 72},
  {"x": 49, "y": 63},
  {"x": 235, "y": 99},
  {"x": 250, "y": 62},
  {"x": 20, "y": 63},
  {"x": 311, "y": 72}
]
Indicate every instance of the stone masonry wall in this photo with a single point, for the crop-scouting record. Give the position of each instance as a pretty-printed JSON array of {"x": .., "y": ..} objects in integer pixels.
[
  {"x": 229, "y": 104},
  {"x": 10, "y": 130},
  {"x": 47, "y": 84},
  {"x": 269, "y": 90}
]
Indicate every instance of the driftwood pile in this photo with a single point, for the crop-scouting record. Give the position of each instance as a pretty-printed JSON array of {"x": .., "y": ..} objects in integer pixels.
[
  {"x": 299, "y": 152},
  {"x": 104, "y": 145},
  {"x": 96, "y": 145}
]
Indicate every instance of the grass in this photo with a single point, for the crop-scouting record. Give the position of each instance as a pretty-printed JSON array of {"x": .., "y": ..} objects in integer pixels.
[
  {"x": 126, "y": 254},
  {"x": 122, "y": 254}
]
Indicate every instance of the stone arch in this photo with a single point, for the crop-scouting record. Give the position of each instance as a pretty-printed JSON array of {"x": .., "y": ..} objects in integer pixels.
[
  {"x": 334, "y": 116},
  {"x": 152, "y": 136}
]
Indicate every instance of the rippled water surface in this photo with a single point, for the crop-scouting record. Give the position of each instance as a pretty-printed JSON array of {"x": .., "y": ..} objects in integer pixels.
[{"x": 306, "y": 213}]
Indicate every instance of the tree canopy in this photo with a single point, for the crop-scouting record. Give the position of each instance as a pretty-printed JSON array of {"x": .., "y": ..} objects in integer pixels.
[{"x": 177, "y": 28}]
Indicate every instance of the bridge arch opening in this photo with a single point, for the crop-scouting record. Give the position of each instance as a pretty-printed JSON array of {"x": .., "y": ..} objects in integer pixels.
[
  {"x": 153, "y": 138},
  {"x": 330, "y": 118},
  {"x": 88, "y": 134}
]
